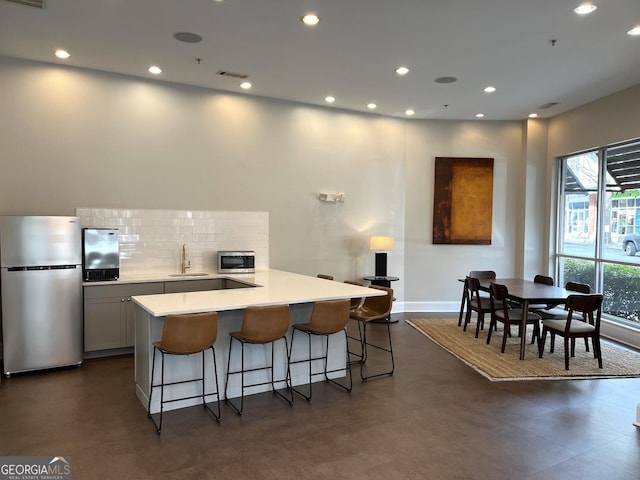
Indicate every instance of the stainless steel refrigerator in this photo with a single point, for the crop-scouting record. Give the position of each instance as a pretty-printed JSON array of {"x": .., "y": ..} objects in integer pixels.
[{"x": 41, "y": 283}]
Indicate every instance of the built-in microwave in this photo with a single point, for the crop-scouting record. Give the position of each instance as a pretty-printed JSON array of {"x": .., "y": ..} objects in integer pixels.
[{"x": 236, "y": 262}]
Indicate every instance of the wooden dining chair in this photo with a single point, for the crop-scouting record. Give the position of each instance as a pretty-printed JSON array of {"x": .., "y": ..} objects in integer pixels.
[
  {"x": 476, "y": 303},
  {"x": 543, "y": 280},
  {"x": 480, "y": 275},
  {"x": 583, "y": 321},
  {"x": 560, "y": 313},
  {"x": 507, "y": 315}
]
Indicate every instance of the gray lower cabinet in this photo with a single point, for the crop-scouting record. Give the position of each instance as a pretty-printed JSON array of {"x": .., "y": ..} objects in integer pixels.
[{"x": 109, "y": 314}]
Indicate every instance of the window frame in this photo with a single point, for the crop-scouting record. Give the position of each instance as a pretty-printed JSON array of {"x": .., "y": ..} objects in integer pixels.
[{"x": 604, "y": 218}]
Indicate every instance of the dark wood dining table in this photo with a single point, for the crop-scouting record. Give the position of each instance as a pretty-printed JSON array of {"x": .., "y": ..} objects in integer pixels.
[{"x": 527, "y": 292}]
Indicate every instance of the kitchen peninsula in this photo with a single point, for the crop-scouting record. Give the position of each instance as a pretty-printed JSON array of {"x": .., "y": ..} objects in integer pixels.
[{"x": 265, "y": 287}]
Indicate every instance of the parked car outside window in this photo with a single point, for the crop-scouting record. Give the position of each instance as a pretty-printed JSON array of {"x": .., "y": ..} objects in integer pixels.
[{"x": 631, "y": 244}]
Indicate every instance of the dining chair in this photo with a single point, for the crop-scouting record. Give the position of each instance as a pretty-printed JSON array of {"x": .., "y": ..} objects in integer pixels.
[
  {"x": 480, "y": 275},
  {"x": 536, "y": 307},
  {"x": 586, "y": 324},
  {"x": 476, "y": 303},
  {"x": 560, "y": 313},
  {"x": 508, "y": 315},
  {"x": 556, "y": 312},
  {"x": 544, "y": 280}
]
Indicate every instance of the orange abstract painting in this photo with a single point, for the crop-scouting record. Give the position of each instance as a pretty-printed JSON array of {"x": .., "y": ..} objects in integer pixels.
[{"x": 463, "y": 201}]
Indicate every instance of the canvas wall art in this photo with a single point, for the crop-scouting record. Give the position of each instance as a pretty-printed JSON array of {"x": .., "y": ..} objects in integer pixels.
[{"x": 463, "y": 201}]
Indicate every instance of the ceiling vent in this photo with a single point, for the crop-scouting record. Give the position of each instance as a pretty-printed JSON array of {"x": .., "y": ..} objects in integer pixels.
[
  {"x": 548, "y": 105},
  {"x": 226, "y": 73},
  {"x": 29, "y": 3}
]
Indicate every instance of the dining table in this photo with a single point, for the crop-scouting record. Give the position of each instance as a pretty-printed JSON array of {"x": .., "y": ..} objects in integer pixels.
[{"x": 528, "y": 292}]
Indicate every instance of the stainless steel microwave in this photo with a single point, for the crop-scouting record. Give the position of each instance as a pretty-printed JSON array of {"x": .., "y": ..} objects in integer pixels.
[{"x": 236, "y": 262}]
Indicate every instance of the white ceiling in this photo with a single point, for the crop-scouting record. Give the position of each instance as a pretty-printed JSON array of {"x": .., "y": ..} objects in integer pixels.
[{"x": 353, "y": 52}]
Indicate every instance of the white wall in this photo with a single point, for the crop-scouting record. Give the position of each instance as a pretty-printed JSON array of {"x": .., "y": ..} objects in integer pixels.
[
  {"x": 537, "y": 201},
  {"x": 78, "y": 138},
  {"x": 609, "y": 120},
  {"x": 434, "y": 269}
]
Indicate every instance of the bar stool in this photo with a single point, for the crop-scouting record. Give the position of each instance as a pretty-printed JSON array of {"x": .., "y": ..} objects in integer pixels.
[
  {"x": 327, "y": 318},
  {"x": 356, "y": 301},
  {"x": 261, "y": 325},
  {"x": 186, "y": 335},
  {"x": 373, "y": 308}
]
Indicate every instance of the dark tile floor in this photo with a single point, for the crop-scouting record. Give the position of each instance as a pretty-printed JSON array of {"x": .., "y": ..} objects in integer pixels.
[{"x": 435, "y": 418}]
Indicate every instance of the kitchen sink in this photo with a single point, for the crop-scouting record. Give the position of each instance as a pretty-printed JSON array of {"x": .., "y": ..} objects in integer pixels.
[{"x": 190, "y": 274}]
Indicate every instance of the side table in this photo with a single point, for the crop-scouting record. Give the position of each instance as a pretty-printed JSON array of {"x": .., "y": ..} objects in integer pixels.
[{"x": 381, "y": 281}]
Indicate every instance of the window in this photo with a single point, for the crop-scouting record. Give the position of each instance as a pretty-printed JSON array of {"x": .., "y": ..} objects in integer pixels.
[{"x": 599, "y": 227}]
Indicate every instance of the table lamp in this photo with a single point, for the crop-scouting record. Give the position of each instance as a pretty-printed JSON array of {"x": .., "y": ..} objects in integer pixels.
[{"x": 381, "y": 245}]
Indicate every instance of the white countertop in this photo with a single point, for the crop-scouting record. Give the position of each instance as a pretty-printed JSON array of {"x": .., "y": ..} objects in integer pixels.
[{"x": 275, "y": 287}]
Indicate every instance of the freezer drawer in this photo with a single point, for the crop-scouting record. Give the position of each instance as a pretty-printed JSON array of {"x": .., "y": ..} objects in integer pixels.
[{"x": 41, "y": 318}]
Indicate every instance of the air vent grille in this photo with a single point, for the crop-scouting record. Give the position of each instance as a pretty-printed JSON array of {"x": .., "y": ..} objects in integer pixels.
[
  {"x": 226, "y": 73},
  {"x": 548, "y": 105},
  {"x": 29, "y": 3}
]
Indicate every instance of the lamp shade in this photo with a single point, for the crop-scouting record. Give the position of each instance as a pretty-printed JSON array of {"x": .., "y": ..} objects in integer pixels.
[{"x": 381, "y": 244}]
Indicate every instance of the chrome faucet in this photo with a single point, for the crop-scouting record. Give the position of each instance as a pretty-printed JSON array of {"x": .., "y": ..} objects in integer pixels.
[{"x": 185, "y": 263}]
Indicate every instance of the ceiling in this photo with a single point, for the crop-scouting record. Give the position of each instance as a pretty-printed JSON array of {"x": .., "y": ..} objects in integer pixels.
[{"x": 535, "y": 52}]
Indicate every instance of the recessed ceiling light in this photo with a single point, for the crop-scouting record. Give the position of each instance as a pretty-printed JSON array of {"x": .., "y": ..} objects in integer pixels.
[
  {"x": 533, "y": 115},
  {"x": 479, "y": 115},
  {"x": 402, "y": 70},
  {"x": 310, "y": 19},
  {"x": 585, "y": 8},
  {"x": 410, "y": 112},
  {"x": 62, "y": 53},
  {"x": 156, "y": 70},
  {"x": 372, "y": 106},
  {"x": 329, "y": 99},
  {"x": 490, "y": 89},
  {"x": 634, "y": 31},
  {"x": 246, "y": 85}
]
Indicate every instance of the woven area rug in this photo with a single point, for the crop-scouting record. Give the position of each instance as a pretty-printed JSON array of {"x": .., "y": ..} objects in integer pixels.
[{"x": 618, "y": 362}]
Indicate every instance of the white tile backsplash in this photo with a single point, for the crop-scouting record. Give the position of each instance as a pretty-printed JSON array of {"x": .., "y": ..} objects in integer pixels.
[{"x": 151, "y": 240}]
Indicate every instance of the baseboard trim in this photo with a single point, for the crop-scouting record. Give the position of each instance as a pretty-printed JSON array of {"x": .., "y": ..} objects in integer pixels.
[{"x": 431, "y": 307}]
